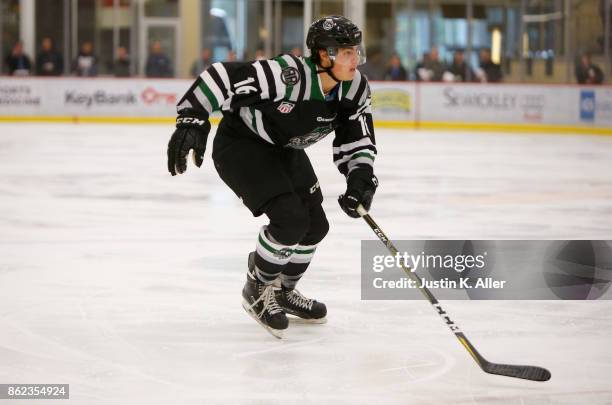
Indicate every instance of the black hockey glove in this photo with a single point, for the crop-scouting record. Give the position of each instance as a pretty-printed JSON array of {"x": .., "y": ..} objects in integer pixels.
[
  {"x": 360, "y": 188},
  {"x": 191, "y": 133}
]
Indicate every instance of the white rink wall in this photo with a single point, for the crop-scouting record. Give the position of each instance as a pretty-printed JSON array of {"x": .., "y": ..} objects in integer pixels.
[{"x": 557, "y": 108}]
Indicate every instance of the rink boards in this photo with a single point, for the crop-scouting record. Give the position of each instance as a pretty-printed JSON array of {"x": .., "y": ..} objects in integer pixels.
[{"x": 503, "y": 107}]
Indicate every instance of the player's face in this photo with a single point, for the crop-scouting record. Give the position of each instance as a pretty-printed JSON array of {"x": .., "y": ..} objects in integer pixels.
[{"x": 346, "y": 61}]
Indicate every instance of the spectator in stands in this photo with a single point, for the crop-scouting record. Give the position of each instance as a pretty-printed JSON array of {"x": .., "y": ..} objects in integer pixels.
[
  {"x": 430, "y": 68},
  {"x": 158, "y": 63},
  {"x": 18, "y": 62},
  {"x": 231, "y": 56},
  {"x": 121, "y": 65},
  {"x": 260, "y": 54},
  {"x": 489, "y": 71},
  {"x": 86, "y": 63},
  {"x": 374, "y": 68},
  {"x": 297, "y": 51},
  {"x": 420, "y": 66},
  {"x": 49, "y": 62},
  {"x": 202, "y": 63},
  {"x": 459, "y": 69},
  {"x": 395, "y": 71},
  {"x": 587, "y": 72}
]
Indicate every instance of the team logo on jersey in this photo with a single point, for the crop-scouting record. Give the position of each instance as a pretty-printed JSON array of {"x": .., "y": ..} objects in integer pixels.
[
  {"x": 285, "y": 107},
  {"x": 290, "y": 76},
  {"x": 304, "y": 141},
  {"x": 328, "y": 24}
]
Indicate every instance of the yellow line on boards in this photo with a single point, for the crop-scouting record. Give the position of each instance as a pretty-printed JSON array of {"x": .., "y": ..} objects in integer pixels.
[
  {"x": 96, "y": 120},
  {"x": 413, "y": 125},
  {"x": 495, "y": 127},
  {"x": 537, "y": 128}
]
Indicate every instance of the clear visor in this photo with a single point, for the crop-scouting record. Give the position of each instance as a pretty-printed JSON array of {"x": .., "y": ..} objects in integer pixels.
[{"x": 349, "y": 56}]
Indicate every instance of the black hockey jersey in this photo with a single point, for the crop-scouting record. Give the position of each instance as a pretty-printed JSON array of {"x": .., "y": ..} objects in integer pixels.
[{"x": 281, "y": 101}]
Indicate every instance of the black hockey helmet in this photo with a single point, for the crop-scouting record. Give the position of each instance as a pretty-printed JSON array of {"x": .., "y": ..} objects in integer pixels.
[{"x": 333, "y": 32}]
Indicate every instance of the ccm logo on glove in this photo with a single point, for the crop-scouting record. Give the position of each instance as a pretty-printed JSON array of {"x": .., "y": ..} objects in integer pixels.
[{"x": 190, "y": 120}]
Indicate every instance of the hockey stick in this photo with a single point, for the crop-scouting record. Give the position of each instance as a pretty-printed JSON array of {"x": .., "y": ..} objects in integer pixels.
[{"x": 526, "y": 372}]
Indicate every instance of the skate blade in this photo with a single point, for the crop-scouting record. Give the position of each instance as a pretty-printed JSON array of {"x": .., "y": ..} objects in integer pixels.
[
  {"x": 298, "y": 320},
  {"x": 277, "y": 333}
]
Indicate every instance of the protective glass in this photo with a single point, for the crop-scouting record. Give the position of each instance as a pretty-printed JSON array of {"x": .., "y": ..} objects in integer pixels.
[{"x": 348, "y": 55}]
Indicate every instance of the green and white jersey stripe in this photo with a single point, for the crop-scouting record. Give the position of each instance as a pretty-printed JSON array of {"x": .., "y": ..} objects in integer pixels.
[
  {"x": 276, "y": 69},
  {"x": 212, "y": 90},
  {"x": 315, "y": 92},
  {"x": 202, "y": 98},
  {"x": 362, "y": 156},
  {"x": 263, "y": 82},
  {"x": 352, "y": 91},
  {"x": 222, "y": 72},
  {"x": 308, "y": 81}
]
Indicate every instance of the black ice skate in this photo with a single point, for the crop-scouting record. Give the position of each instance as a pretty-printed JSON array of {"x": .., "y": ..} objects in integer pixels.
[
  {"x": 294, "y": 303},
  {"x": 260, "y": 302}
]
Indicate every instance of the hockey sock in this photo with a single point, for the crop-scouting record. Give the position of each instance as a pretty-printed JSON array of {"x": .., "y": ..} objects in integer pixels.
[
  {"x": 298, "y": 263},
  {"x": 271, "y": 257}
]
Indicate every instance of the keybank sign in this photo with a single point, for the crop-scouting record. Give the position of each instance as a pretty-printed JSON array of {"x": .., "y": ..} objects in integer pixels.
[{"x": 99, "y": 98}]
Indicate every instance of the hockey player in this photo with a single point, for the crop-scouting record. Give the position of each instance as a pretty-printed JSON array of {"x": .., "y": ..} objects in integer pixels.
[{"x": 272, "y": 110}]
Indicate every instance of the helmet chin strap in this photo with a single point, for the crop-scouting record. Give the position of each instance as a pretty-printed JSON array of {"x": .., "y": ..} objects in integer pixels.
[{"x": 328, "y": 70}]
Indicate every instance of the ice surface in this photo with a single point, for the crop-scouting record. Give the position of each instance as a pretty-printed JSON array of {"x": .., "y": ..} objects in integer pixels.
[{"x": 125, "y": 282}]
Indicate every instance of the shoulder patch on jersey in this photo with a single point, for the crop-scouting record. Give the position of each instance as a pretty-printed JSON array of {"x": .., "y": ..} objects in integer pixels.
[{"x": 290, "y": 76}]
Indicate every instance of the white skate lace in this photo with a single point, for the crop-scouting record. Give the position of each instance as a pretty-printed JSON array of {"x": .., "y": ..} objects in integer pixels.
[
  {"x": 299, "y": 300},
  {"x": 269, "y": 301}
]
